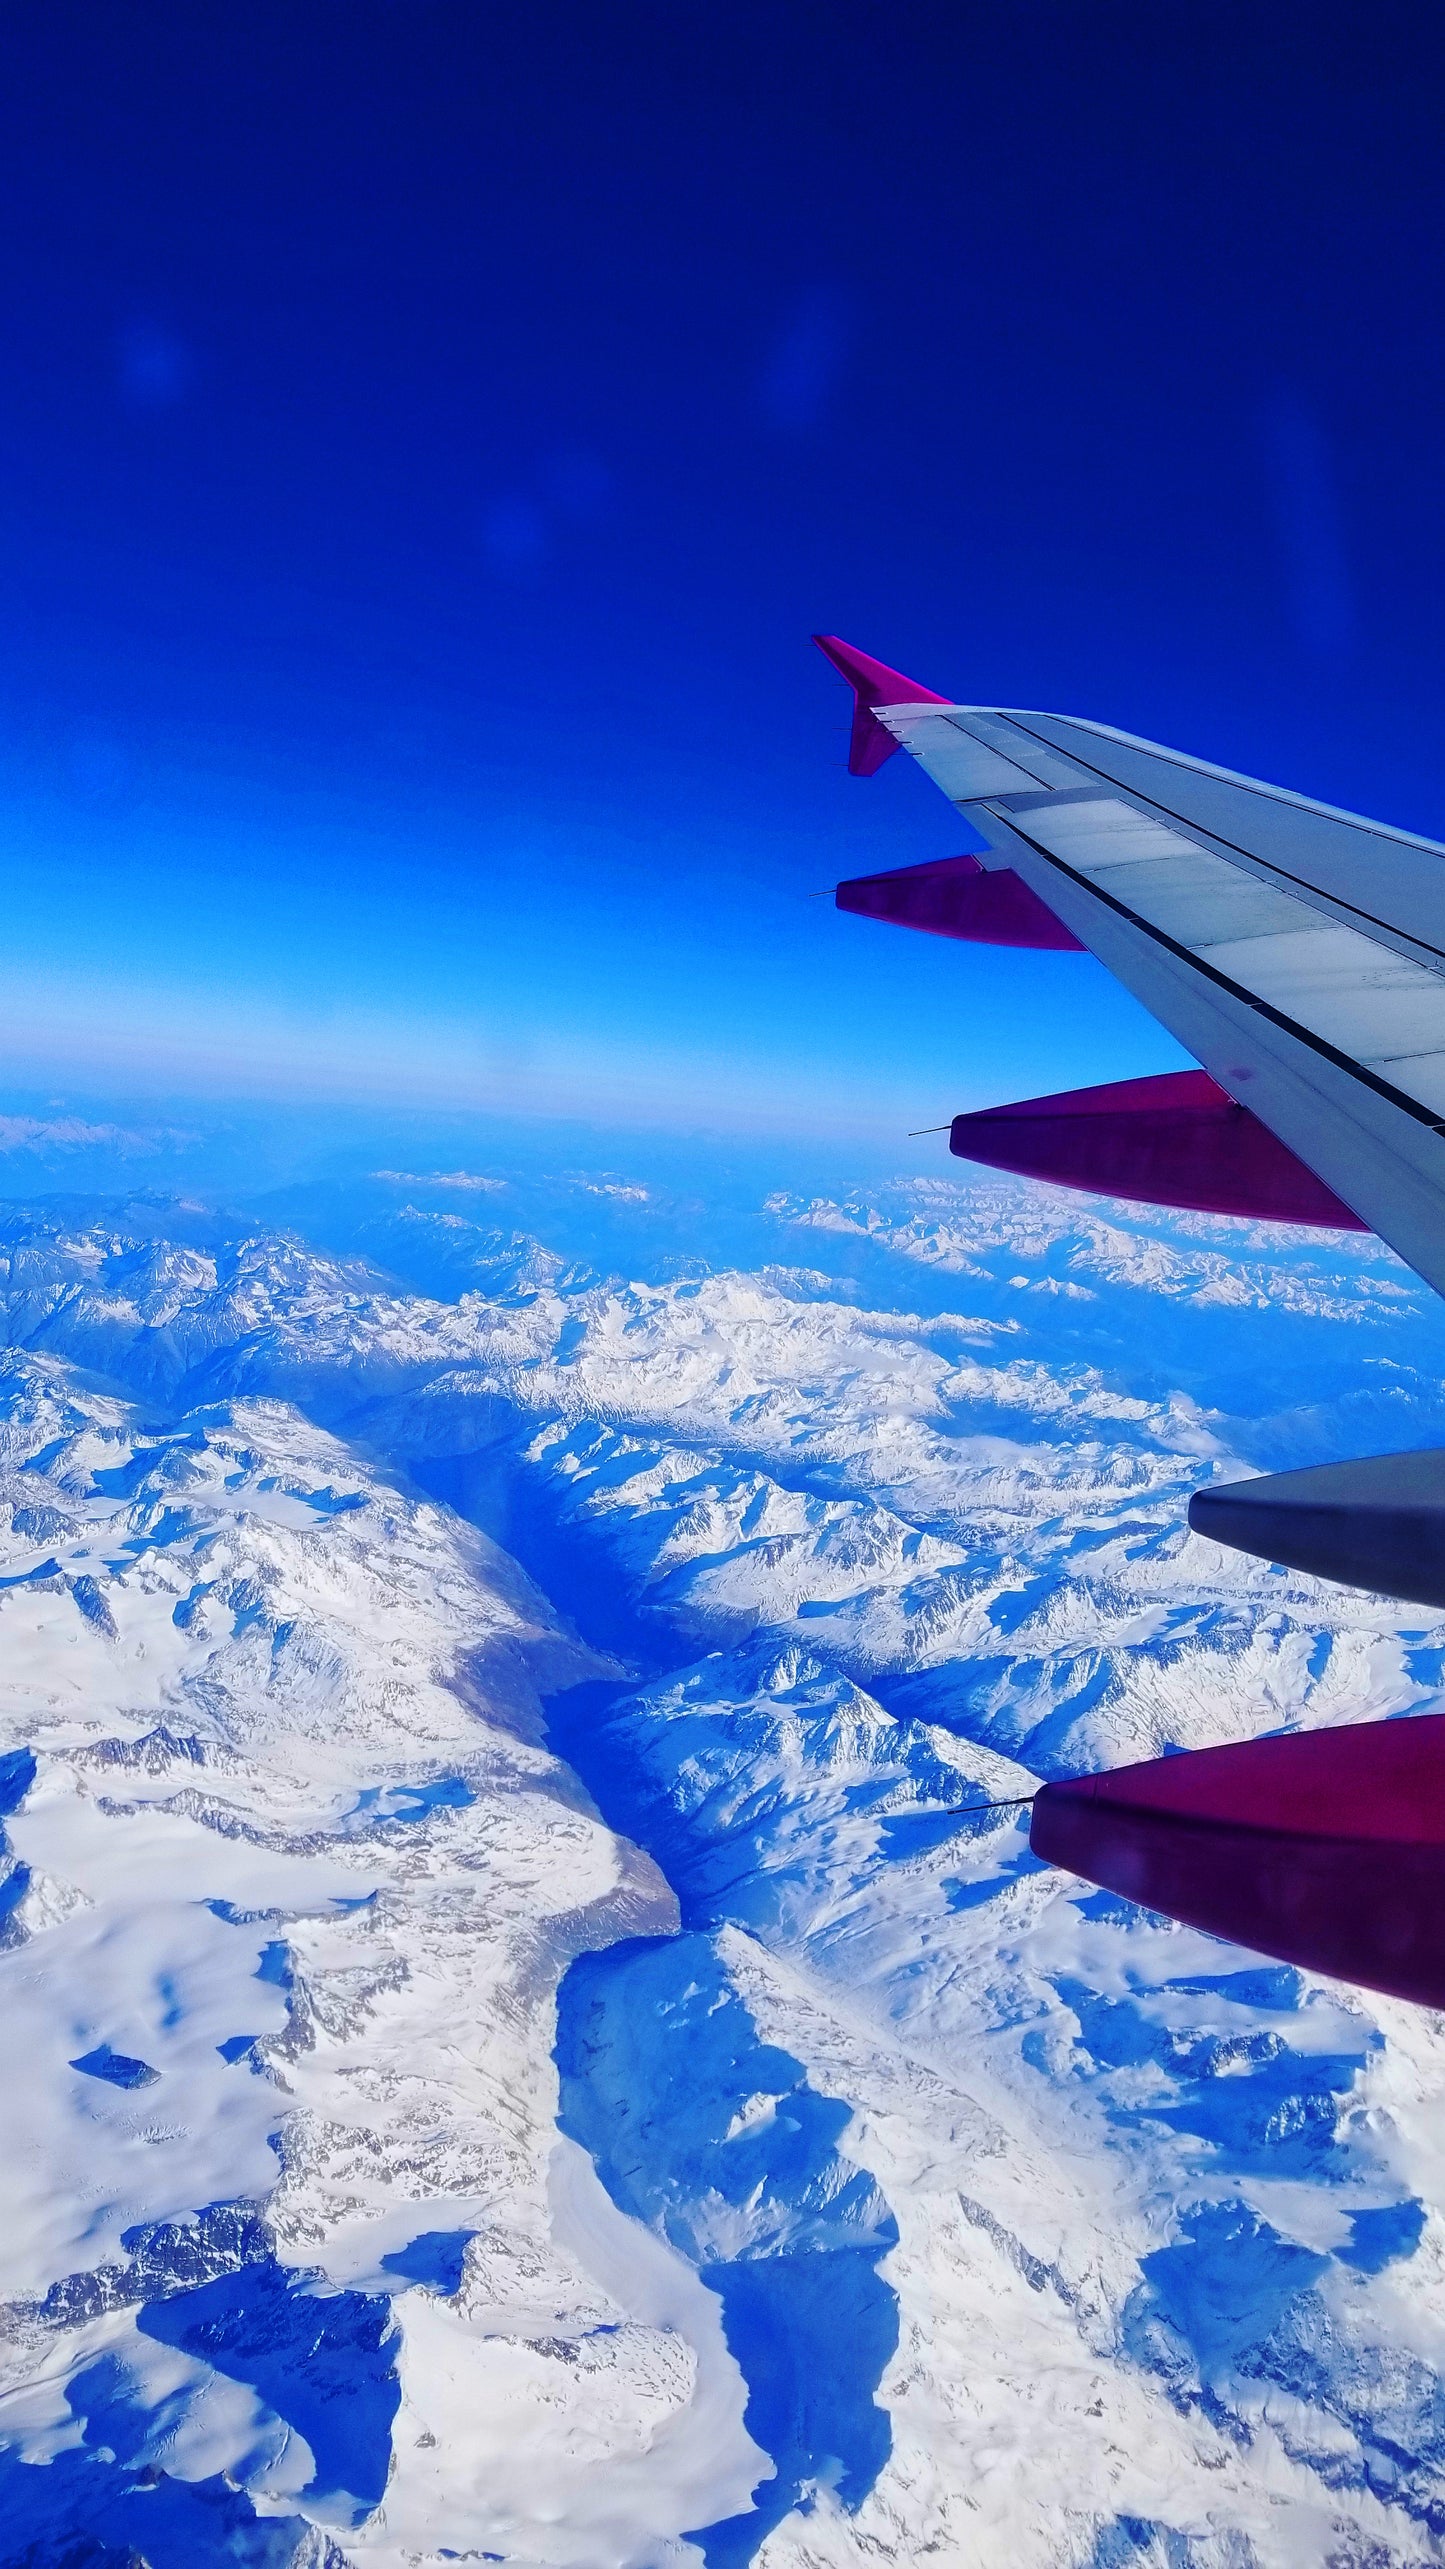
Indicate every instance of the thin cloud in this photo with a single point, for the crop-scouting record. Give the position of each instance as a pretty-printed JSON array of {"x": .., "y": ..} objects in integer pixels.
[
  {"x": 462, "y": 1179},
  {"x": 71, "y": 1133}
]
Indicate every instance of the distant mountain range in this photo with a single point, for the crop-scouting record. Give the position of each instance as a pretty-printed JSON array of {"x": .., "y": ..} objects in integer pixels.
[{"x": 520, "y": 2046}]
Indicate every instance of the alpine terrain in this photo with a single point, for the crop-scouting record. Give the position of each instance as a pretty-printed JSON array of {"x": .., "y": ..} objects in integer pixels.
[{"x": 519, "y": 2042}]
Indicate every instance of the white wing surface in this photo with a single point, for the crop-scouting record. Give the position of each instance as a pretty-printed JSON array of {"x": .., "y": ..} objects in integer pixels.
[{"x": 1296, "y": 951}]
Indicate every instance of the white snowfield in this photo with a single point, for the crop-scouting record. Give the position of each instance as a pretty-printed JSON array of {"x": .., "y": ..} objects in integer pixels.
[
  {"x": 309, "y": 2242},
  {"x": 233, "y": 1650}
]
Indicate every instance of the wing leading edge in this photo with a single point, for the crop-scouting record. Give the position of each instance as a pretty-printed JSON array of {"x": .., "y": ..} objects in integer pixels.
[{"x": 1298, "y": 952}]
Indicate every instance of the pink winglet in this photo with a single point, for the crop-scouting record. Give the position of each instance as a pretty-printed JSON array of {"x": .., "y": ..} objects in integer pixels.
[
  {"x": 952, "y": 896},
  {"x": 1177, "y": 1139},
  {"x": 1324, "y": 1848},
  {"x": 872, "y": 684}
]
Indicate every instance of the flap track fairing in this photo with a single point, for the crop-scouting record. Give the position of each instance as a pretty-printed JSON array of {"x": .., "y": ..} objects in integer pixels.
[
  {"x": 1177, "y": 1139},
  {"x": 1324, "y": 1848},
  {"x": 954, "y": 896}
]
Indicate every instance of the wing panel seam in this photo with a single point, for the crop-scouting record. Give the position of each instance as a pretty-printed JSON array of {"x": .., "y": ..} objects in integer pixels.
[
  {"x": 1251, "y": 857},
  {"x": 1256, "y": 785},
  {"x": 1260, "y": 1007}
]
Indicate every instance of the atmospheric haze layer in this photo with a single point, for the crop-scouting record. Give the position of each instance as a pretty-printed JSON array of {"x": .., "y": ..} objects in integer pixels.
[{"x": 520, "y": 2046}]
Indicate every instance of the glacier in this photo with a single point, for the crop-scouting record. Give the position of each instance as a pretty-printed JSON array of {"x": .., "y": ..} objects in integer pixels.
[{"x": 521, "y": 2044}]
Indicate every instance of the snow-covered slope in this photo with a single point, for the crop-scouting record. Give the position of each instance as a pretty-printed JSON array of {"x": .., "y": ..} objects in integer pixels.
[
  {"x": 518, "y": 2049},
  {"x": 291, "y": 1883}
]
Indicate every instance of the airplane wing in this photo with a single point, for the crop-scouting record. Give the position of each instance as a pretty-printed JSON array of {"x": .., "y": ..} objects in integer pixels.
[{"x": 1298, "y": 952}]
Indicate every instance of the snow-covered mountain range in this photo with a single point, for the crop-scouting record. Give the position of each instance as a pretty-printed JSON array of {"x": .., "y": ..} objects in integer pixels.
[{"x": 519, "y": 2046}]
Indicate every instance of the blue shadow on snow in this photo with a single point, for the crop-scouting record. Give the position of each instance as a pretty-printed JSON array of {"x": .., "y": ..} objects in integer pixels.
[
  {"x": 713, "y": 2137},
  {"x": 325, "y": 2362}
]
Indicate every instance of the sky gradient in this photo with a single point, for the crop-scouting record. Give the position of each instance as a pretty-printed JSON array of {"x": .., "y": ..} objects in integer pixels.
[{"x": 431, "y": 434}]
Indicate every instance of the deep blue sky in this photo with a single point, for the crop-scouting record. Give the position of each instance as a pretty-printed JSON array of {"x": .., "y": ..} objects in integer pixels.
[{"x": 430, "y": 432}]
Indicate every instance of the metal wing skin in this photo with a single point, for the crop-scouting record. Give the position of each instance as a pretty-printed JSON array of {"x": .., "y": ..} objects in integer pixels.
[{"x": 1296, "y": 951}]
